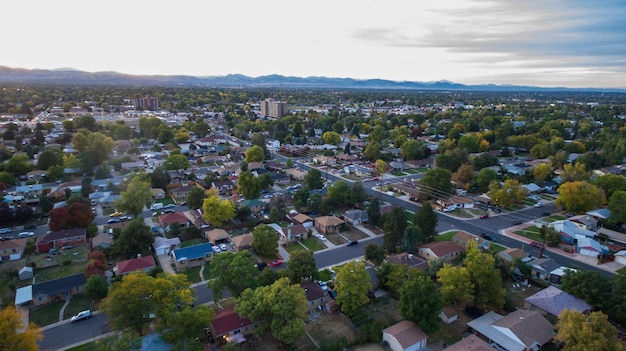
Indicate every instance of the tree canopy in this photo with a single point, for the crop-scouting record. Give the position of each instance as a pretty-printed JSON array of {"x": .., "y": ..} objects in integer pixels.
[
  {"x": 420, "y": 302},
  {"x": 233, "y": 271},
  {"x": 352, "y": 284},
  {"x": 14, "y": 334},
  {"x": 217, "y": 211},
  {"x": 265, "y": 240}
]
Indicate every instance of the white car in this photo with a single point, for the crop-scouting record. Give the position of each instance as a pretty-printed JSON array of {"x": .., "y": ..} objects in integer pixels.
[
  {"x": 322, "y": 238},
  {"x": 223, "y": 247},
  {"x": 169, "y": 206},
  {"x": 216, "y": 249},
  {"x": 26, "y": 234},
  {"x": 81, "y": 315},
  {"x": 538, "y": 204}
]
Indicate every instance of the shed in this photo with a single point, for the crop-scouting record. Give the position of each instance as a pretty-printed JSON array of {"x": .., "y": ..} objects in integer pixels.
[
  {"x": 25, "y": 273},
  {"x": 448, "y": 315},
  {"x": 404, "y": 336}
]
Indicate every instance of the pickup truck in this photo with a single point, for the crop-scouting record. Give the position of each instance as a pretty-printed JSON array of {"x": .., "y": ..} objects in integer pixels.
[{"x": 86, "y": 314}]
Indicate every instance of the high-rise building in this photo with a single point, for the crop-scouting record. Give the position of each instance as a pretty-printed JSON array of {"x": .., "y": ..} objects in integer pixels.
[
  {"x": 273, "y": 108},
  {"x": 146, "y": 103}
]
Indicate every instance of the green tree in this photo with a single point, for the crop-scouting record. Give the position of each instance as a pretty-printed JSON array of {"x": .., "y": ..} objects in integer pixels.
[
  {"x": 136, "y": 238},
  {"x": 301, "y": 266},
  {"x": 185, "y": 324},
  {"x": 374, "y": 253},
  {"x": 484, "y": 178},
  {"x": 373, "y": 212},
  {"x": 18, "y": 165},
  {"x": 426, "y": 219},
  {"x": 45, "y": 204},
  {"x": 507, "y": 194},
  {"x": 579, "y": 196},
  {"x": 313, "y": 179},
  {"x": 352, "y": 284},
  {"x": 217, "y": 211},
  {"x": 176, "y": 161},
  {"x": 279, "y": 308},
  {"x": 96, "y": 287},
  {"x": 485, "y": 277},
  {"x": 611, "y": 183},
  {"x": 195, "y": 197},
  {"x": 265, "y": 240},
  {"x": 233, "y": 271},
  {"x": 332, "y": 138},
  {"x": 248, "y": 185},
  {"x": 394, "y": 224},
  {"x": 576, "y": 172},
  {"x": 255, "y": 154},
  {"x": 541, "y": 171},
  {"x": 159, "y": 178},
  {"x": 591, "y": 286},
  {"x": 133, "y": 199},
  {"x": 413, "y": 150},
  {"x": 50, "y": 157},
  {"x": 420, "y": 302},
  {"x": 340, "y": 193},
  {"x": 592, "y": 331},
  {"x": 436, "y": 183},
  {"x": 14, "y": 334},
  {"x": 617, "y": 208},
  {"x": 456, "y": 284},
  {"x": 117, "y": 341}
]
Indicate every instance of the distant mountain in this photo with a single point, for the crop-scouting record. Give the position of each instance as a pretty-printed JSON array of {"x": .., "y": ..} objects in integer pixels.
[{"x": 72, "y": 76}]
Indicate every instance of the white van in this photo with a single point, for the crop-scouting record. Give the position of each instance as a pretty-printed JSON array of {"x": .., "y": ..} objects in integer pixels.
[
  {"x": 26, "y": 234},
  {"x": 157, "y": 206}
]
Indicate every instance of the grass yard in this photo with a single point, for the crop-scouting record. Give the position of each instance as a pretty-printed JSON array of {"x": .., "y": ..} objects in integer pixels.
[
  {"x": 313, "y": 244},
  {"x": 80, "y": 303},
  {"x": 291, "y": 248},
  {"x": 45, "y": 315},
  {"x": 399, "y": 174},
  {"x": 412, "y": 171},
  {"x": 447, "y": 236},
  {"x": 495, "y": 248},
  {"x": 531, "y": 232},
  {"x": 193, "y": 274},
  {"x": 461, "y": 213}
]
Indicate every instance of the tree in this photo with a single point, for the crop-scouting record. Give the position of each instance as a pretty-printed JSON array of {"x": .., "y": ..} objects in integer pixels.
[
  {"x": 410, "y": 238},
  {"x": 617, "y": 208},
  {"x": 185, "y": 324},
  {"x": 79, "y": 215},
  {"x": 352, "y": 284},
  {"x": 136, "y": 238},
  {"x": 133, "y": 199},
  {"x": 117, "y": 341},
  {"x": 45, "y": 204},
  {"x": 456, "y": 284},
  {"x": 373, "y": 212},
  {"x": 233, "y": 271},
  {"x": 413, "y": 150},
  {"x": 576, "y": 172},
  {"x": 420, "y": 302},
  {"x": 217, "y": 211},
  {"x": 436, "y": 184},
  {"x": 359, "y": 192},
  {"x": 611, "y": 183},
  {"x": 394, "y": 224},
  {"x": 579, "y": 196},
  {"x": 137, "y": 295},
  {"x": 279, "y": 308},
  {"x": 255, "y": 154},
  {"x": 195, "y": 197},
  {"x": 464, "y": 176},
  {"x": 591, "y": 286},
  {"x": 159, "y": 178},
  {"x": 313, "y": 179},
  {"x": 485, "y": 277},
  {"x": 505, "y": 195},
  {"x": 50, "y": 157},
  {"x": 265, "y": 240},
  {"x": 375, "y": 253},
  {"x": 14, "y": 334},
  {"x": 301, "y": 266},
  {"x": 426, "y": 219},
  {"x": 340, "y": 193},
  {"x": 96, "y": 264},
  {"x": 18, "y": 165},
  {"x": 176, "y": 161},
  {"x": 541, "y": 171},
  {"x": 332, "y": 138},
  {"x": 58, "y": 219},
  {"x": 381, "y": 167},
  {"x": 248, "y": 185},
  {"x": 96, "y": 287},
  {"x": 591, "y": 331},
  {"x": 484, "y": 178}
]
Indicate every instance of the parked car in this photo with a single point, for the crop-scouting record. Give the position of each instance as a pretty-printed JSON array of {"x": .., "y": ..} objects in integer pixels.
[
  {"x": 25, "y": 234},
  {"x": 484, "y": 216},
  {"x": 536, "y": 244},
  {"x": 261, "y": 266},
  {"x": 516, "y": 222},
  {"x": 5, "y": 230},
  {"x": 81, "y": 315},
  {"x": 323, "y": 285},
  {"x": 321, "y": 237},
  {"x": 223, "y": 247},
  {"x": 538, "y": 204},
  {"x": 216, "y": 249},
  {"x": 169, "y": 206},
  {"x": 116, "y": 214},
  {"x": 276, "y": 263},
  {"x": 113, "y": 220},
  {"x": 487, "y": 237},
  {"x": 545, "y": 213},
  {"x": 352, "y": 243}
]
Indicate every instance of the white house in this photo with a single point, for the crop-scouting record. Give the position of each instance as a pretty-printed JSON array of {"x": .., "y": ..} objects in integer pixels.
[
  {"x": 620, "y": 257},
  {"x": 163, "y": 246}
]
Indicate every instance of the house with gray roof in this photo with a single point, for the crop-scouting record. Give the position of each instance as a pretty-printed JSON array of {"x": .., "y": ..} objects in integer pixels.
[
  {"x": 51, "y": 291},
  {"x": 552, "y": 301}
]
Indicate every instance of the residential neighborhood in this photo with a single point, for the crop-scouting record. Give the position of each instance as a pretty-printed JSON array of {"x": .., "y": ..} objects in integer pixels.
[{"x": 338, "y": 213}]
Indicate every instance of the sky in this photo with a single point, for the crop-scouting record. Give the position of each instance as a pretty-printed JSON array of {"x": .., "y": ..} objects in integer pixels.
[{"x": 547, "y": 43}]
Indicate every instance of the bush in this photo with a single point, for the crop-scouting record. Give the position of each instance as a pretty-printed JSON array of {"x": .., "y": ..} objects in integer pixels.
[{"x": 67, "y": 262}]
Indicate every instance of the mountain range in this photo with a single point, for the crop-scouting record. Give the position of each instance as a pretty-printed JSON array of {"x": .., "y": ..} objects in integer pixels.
[{"x": 72, "y": 76}]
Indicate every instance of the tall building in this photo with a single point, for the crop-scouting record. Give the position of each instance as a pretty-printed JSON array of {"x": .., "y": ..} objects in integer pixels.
[
  {"x": 146, "y": 103},
  {"x": 273, "y": 108}
]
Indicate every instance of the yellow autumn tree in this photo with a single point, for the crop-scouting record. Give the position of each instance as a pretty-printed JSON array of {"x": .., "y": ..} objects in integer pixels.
[{"x": 13, "y": 333}]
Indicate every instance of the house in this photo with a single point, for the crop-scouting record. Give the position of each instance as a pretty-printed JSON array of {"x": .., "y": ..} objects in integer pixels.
[
  {"x": 242, "y": 242},
  {"x": 355, "y": 217},
  {"x": 102, "y": 241},
  {"x": 29, "y": 191},
  {"x": 295, "y": 174},
  {"x": 407, "y": 259},
  {"x": 163, "y": 246},
  {"x": 217, "y": 236},
  {"x": 316, "y": 297},
  {"x": 292, "y": 233},
  {"x": 224, "y": 186},
  {"x": 512, "y": 253},
  {"x": 11, "y": 250},
  {"x": 620, "y": 257},
  {"x": 167, "y": 219},
  {"x": 404, "y": 336},
  {"x": 464, "y": 238},
  {"x": 470, "y": 343},
  {"x": 145, "y": 264},
  {"x": 570, "y": 231},
  {"x": 589, "y": 247},
  {"x": 541, "y": 268},
  {"x": 51, "y": 291},
  {"x": 60, "y": 238},
  {"x": 328, "y": 224},
  {"x": 180, "y": 192},
  {"x": 255, "y": 205},
  {"x": 157, "y": 193},
  {"x": 521, "y": 330},
  {"x": 133, "y": 166},
  {"x": 445, "y": 250},
  {"x": 229, "y": 326},
  {"x": 107, "y": 202},
  {"x": 25, "y": 273},
  {"x": 552, "y": 301},
  {"x": 192, "y": 256},
  {"x": 303, "y": 219},
  {"x": 448, "y": 315}
]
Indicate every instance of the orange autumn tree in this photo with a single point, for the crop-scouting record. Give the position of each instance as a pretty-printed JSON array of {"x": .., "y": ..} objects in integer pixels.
[{"x": 13, "y": 333}]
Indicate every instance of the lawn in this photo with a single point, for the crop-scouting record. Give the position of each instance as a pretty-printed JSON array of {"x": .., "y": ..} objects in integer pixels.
[
  {"x": 495, "y": 248},
  {"x": 291, "y": 248},
  {"x": 412, "y": 171},
  {"x": 45, "y": 315},
  {"x": 445, "y": 236},
  {"x": 313, "y": 244},
  {"x": 193, "y": 274},
  {"x": 531, "y": 232},
  {"x": 399, "y": 174},
  {"x": 80, "y": 303}
]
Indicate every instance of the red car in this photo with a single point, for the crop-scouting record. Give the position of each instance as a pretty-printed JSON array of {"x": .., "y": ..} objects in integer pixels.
[
  {"x": 484, "y": 216},
  {"x": 536, "y": 244},
  {"x": 276, "y": 263}
]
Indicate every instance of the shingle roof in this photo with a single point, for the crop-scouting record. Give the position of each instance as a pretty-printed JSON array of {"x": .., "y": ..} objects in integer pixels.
[
  {"x": 62, "y": 234},
  {"x": 312, "y": 291},
  {"x": 528, "y": 326},
  {"x": 554, "y": 300},
  {"x": 135, "y": 264},
  {"x": 406, "y": 332},
  {"x": 228, "y": 320},
  {"x": 58, "y": 286}
]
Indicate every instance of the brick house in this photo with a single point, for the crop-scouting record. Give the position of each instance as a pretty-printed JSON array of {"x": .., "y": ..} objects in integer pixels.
[
  {"x": 60, "y": 238},
  {"x": 445, "y": 250},
  {"x": 328, "y": 224},
  {"x": 230, "y": 327},
  {"x": 145, "y": 264}
]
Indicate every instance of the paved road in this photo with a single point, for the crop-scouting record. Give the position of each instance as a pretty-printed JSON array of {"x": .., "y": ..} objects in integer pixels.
[{"x": 62, "y": 334}]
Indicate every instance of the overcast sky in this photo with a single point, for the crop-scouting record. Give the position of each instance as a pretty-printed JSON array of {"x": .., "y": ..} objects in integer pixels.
[{"x": 568, "y": 43}]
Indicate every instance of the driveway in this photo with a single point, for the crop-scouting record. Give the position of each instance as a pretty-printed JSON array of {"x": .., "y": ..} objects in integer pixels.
[{"x": 165, "y": 262}]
